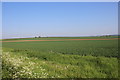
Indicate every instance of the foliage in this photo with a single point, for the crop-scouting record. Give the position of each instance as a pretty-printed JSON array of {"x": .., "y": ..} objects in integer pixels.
[
  {"x": 108, "y": 48},
  {"x": 31, "y": 64},
  {"x": 60, "y": 59}
]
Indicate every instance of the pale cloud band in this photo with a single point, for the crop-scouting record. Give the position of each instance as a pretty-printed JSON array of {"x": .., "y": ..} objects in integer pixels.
[{"x": 60, "y": 0}]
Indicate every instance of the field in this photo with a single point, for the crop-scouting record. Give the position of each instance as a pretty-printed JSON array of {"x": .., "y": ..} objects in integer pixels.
[{"x": 60, "y": 57}]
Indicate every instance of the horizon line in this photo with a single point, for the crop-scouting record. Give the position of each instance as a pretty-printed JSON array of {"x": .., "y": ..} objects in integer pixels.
[{"x": 62, "y": 36}]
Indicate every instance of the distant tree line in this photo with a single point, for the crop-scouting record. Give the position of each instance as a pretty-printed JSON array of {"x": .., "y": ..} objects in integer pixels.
[
  {"x": 105, "y": 36},
  {"x": 38, "y": 37}
]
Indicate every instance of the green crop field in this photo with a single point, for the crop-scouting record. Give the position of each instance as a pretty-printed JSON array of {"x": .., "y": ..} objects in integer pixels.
[{"x": 60, "y": 59}]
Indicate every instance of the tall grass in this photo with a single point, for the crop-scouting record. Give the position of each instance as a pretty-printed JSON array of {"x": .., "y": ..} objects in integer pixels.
[
  {"x": 32, "y": 64},
  {"x": 108, "y": 48},
  {"x": 61, "y": 59}
]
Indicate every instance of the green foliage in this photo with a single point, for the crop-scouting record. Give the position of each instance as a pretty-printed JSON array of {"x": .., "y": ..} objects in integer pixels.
[
  {"x": 60, "y": 59},
  {"x": 33, "y": 64},
  {"x": 108, "y": 48}
]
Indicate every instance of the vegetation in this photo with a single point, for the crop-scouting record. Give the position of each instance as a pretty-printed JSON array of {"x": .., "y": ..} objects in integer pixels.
[
  {"x": 52, "y": 38},
  {"x": 60, "y": 59}
]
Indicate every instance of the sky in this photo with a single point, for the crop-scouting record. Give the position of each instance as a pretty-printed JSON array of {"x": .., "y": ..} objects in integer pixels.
[
  {"x": 29, "y": 19},
  {"x": 60, "y": 0},
  {"x": 0, "y": 21}
]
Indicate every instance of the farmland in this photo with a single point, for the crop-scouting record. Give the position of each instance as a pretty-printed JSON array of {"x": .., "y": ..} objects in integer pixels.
[{"x": 61, "y": 57}]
